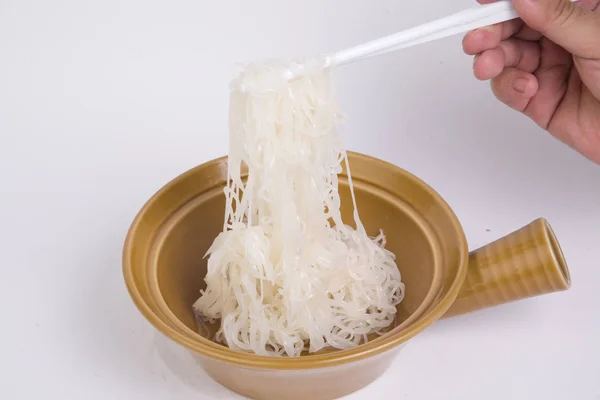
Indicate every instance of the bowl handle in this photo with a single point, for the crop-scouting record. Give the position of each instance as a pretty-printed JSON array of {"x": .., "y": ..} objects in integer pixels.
[{"x": 526, "y": 263}]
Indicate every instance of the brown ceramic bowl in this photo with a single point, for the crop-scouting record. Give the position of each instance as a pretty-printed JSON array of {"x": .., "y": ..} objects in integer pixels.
[{"x": 164, "y": 270}]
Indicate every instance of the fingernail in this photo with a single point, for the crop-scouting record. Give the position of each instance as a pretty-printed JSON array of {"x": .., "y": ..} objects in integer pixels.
[
  {"x": 482, "y": 31},
  {"x": 520, "y": 84},
  {"x": 489, "y": 28}
]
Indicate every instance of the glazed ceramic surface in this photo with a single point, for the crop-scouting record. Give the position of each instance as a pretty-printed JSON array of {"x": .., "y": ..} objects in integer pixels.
[{"x": 164, "y": 270}]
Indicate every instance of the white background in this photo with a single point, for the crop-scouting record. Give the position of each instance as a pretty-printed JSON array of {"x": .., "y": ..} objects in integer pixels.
[{"x": 103, "y": 102}]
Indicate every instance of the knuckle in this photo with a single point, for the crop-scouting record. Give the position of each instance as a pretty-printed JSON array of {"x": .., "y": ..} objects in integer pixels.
[{"x": 562, "y": 13}]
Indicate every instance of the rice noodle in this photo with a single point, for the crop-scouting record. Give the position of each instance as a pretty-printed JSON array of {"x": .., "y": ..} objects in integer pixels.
[{"x": 286, "y": 275}]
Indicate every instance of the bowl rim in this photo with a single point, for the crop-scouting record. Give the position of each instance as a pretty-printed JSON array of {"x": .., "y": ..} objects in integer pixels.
[{"x": 243, "y": 359}]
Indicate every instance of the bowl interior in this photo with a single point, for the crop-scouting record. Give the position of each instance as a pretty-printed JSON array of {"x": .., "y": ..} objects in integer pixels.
[
  {"x": 184, "y": 240},
  {"x": 164, "y": 254}
]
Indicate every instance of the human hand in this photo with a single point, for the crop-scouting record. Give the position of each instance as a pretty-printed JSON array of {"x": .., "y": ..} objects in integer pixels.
[{"x": 547, "y": 66}]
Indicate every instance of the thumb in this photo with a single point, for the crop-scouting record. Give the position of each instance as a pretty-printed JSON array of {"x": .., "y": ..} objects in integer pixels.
[{"x": 565, "y": 23}]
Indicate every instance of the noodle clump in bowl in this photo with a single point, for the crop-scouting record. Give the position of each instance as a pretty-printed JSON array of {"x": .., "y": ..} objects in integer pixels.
[{"x": 286, "y": 275}]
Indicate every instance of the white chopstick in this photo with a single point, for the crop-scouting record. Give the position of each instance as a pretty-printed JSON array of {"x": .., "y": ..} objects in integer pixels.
[
  {"x": 497, "y": 18},
  {"x": 463, "y": 21}
]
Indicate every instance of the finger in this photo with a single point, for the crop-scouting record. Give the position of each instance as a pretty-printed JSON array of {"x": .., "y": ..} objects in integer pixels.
[
  {"x": 510, "y": 53},
  {"x": 591, "y": 5},
  {"x": 488, "y": 64},
  {"x": 521, "y": 54},
  {"x": 552, "y": 77},
  {"x": 486, "y": 1},
  {"x": 528, "y": 33},
  {"x": 566, "y": 23},
  {"x": 553, "y": 55},
  {"x": 489, "y": 37},
  {"x": 515, "y": 88}
]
